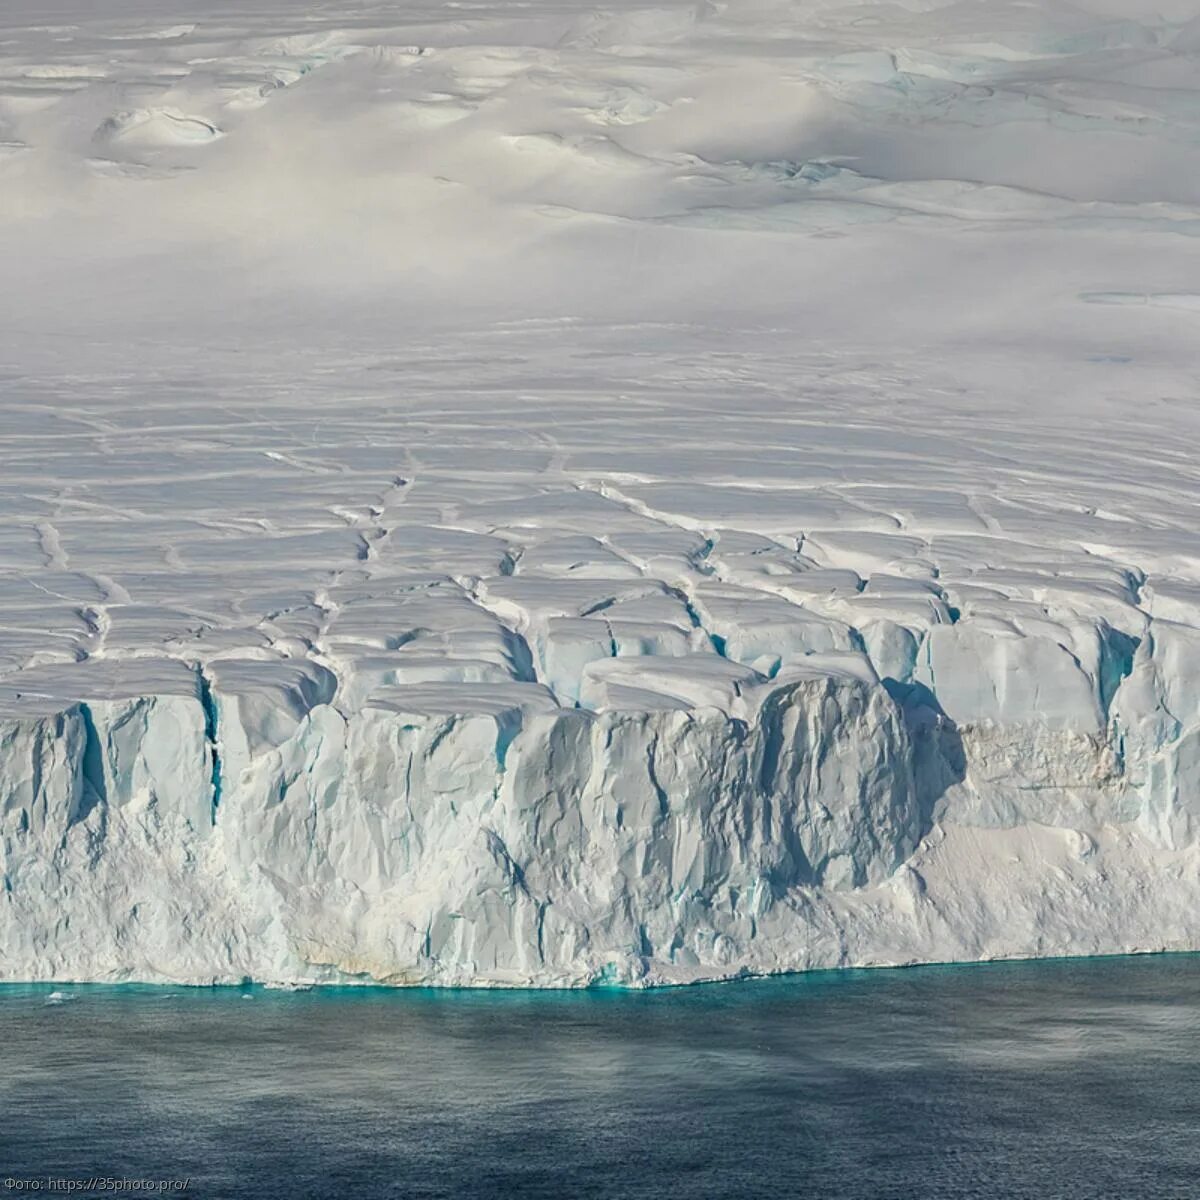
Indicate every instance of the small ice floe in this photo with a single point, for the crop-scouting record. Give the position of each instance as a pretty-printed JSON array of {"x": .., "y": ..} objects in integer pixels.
[
  {"x": 59, "y": 998},
  {"x": 288, "y": 987}
]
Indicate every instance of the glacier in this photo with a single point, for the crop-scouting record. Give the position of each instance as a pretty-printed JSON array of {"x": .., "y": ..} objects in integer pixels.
[{"x": 540, "y": 495}]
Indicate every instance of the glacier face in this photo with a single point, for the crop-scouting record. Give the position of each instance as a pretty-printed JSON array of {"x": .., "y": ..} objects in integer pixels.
[
  {"x": 693, "y": 817},
  {"x": 482, "y": 507}
]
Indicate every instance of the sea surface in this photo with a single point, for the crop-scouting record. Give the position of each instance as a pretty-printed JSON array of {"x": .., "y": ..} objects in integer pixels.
[{"x": 1076, "y": 1079}]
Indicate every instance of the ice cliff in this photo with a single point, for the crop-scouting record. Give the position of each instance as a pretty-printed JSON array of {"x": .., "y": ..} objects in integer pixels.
[{"x": 412, "y": 815}]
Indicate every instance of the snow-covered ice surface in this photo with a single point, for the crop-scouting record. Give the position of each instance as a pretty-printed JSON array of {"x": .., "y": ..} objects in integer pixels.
[{"x": 533, "y": 493}]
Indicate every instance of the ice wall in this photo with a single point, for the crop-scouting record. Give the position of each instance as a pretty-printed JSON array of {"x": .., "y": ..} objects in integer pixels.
[{"x": 691, "y": 817}]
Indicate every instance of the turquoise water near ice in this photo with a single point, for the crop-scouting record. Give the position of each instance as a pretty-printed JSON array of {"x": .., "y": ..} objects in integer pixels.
[{"x": 1060, "y": 1079}]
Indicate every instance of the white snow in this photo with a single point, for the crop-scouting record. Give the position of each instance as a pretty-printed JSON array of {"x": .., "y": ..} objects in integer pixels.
[{"x": 549, "y": 494}]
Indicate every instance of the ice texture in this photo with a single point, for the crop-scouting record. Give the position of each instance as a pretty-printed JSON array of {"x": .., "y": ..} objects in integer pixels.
[{"x": 547, "y": 495}]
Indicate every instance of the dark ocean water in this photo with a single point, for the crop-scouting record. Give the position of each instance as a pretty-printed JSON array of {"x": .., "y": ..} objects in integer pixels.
[{"x": 1040, "y": 1080}]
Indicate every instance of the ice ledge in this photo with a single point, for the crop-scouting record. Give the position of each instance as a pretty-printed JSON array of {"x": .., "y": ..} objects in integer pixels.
[{"x": 196, "y": 824}]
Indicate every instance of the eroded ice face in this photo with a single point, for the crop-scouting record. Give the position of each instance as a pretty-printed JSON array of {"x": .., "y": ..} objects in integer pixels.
[{"x": 542, "y": 494}]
